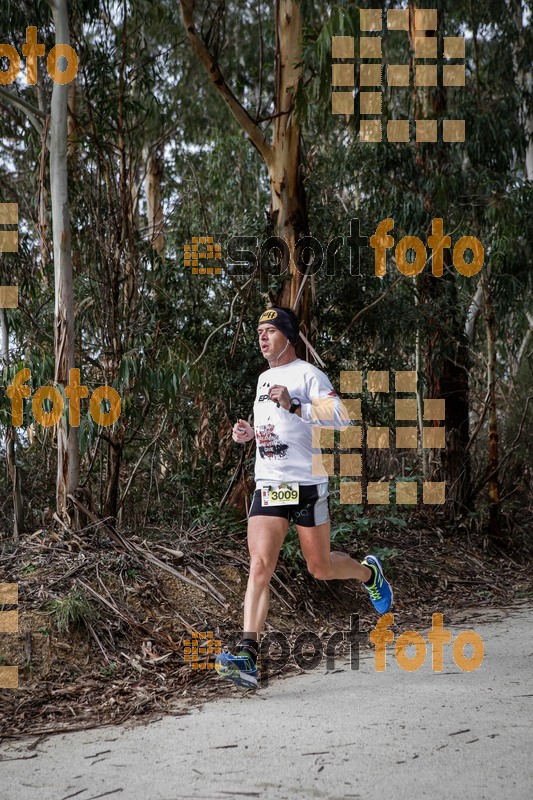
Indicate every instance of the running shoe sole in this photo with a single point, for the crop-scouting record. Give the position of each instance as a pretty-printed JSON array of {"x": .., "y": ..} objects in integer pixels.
[{"x": 232, "y": 673}]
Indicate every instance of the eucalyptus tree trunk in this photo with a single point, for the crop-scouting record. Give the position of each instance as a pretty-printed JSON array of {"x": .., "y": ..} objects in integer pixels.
[
  {"x": 420, "y": 386},
  {"x": 281, "y": 156},
  {"x": 288, "y": 210},
  {"x": 154, "y": 174},
  {"x": 72, "y": 125},
  {"x": 493, "y": 459},
  {"x": 523, "y": 73},
  {"x": 124, "y": 292},
  {"x": 68, "y": 459},
  {"x": 447, "y": 361},
  {"x": 524, "y": 80},
  {"x": 11, "y": 442}
]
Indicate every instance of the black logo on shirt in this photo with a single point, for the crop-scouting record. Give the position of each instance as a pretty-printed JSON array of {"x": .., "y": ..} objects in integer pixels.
[{"x": 263, "y": 397}]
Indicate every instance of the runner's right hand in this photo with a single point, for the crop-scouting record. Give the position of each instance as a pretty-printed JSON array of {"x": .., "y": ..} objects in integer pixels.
[{"x": 242, "y": 432}]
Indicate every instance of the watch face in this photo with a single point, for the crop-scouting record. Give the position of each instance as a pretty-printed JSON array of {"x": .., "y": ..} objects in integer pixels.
[{"x": 295, "y": 404}]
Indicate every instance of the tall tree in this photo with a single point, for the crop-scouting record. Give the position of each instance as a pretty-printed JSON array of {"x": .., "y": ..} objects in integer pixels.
[
  {"x": 11, "y": 437},
  {"x": 55, "y": 138},
  {"x": 522, "y": 50},
  {"x": 446, "y": 360},
  {"x": 68, "y": 457},
  {"x": 281, "y": 156}
]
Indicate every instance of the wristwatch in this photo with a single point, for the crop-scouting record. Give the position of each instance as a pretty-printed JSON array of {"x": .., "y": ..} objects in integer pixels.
[{"x": 294, "y": 406}]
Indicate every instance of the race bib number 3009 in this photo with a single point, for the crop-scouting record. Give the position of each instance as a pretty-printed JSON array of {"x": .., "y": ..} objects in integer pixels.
[{"x": 283, "y": 494}]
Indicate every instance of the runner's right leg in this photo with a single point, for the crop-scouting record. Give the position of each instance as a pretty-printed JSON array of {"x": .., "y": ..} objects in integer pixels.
[{"x": 265, "y": 537}]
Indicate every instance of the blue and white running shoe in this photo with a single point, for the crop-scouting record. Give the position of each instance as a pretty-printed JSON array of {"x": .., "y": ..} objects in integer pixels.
[
  {"x": 239, "y": 668},
  {"x": 380, "y": 590}
]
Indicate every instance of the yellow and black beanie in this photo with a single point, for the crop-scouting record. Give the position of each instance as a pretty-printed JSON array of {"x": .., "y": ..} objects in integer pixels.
[{"x": 284, "y": 319}]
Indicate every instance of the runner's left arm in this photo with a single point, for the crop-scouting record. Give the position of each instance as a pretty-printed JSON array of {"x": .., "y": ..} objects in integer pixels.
[{"x": 323, "y": 406}]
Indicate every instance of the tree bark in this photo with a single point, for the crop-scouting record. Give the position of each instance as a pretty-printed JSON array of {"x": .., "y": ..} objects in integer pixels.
[
  {"x": 68, "y": 460},
  {"x": 72, "y": 125},
  {"x": 447, "y": 373},
  {"x": 473, "y": 313},
  {"x": 288, "y": 209},
  {"x": 493, "y": 454},
  {"x": 447, "y": 358},
  {"x": 154, "y": 175},
  {"x": 524, "y": 80},
  {"x": 420, "y": 387},
  {"x": 114, "y": 462},
  {"x": 11, "y": 442}
]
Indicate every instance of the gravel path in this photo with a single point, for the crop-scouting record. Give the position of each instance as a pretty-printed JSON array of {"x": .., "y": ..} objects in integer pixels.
[{"x": 342, "y": 734}]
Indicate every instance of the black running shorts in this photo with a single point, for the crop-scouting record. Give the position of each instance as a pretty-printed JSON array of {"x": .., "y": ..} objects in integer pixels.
[{"x": 312, "y": 510}]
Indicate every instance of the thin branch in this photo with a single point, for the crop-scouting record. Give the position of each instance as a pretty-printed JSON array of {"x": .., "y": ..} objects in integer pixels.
[
  {"x": 148, "y": 446},
  {"x": 260, "y": 66},
  {"x": 245, "y": 453},
  {"x": 142, "y": 553},
  {"x": 254, "y": 133},
  {"x": 479, "y": 424},
  {"x": 312, "y": 350},
  {"x": 509, "y": 453},
  {"x": 93, "y": 459},
  {"x": 301, "y": 288},
  {"x": 361, "y": 312},
  {"x": 241, "y": 318},
  {"x": 273, "y": 116},
  {"x": 33, "y": 114},
  {"x": 519, "y": 434},
  {"x": 224, "y": 324}
]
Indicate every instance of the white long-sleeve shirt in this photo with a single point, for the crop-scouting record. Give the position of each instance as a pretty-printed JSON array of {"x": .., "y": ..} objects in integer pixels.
[{"x": 283, "y": 440}]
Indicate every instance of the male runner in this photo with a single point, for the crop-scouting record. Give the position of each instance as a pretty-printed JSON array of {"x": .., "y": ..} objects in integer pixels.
[{"x": 283, "y": 420}]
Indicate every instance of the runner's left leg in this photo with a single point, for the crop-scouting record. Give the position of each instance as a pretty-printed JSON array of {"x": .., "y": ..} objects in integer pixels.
[{"x": 324, "y": 564}]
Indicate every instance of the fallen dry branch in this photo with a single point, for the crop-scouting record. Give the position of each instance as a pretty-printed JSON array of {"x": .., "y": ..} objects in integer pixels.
[{"x": 143, "y": 553}]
